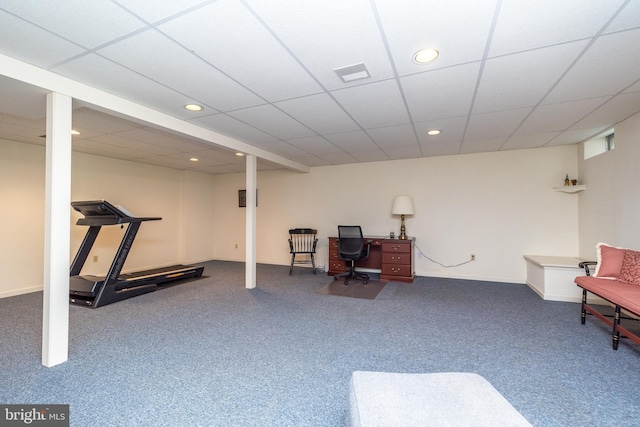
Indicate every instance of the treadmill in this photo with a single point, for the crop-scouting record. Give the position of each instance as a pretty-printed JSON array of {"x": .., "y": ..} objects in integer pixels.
[{"x": 96, "y": 291}]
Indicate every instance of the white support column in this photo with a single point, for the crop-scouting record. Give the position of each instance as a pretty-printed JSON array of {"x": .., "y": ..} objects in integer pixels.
[
  {"x": 250, "y": 258},
  {"x": 55, "y": 317}
]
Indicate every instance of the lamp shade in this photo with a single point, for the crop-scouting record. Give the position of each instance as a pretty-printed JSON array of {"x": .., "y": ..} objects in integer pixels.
[{"x": 402, "y": 205}]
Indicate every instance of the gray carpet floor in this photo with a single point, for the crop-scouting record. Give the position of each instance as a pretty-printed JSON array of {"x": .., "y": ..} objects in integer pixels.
[{"x": 212, "y": 353}]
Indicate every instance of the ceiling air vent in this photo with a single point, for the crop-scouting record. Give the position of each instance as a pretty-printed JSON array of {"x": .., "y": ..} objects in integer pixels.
[{"x": 353, "y": 72}]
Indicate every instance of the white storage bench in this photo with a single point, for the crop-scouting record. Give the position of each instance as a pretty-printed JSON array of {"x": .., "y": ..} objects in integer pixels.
[{"x": 552, "y": 277}]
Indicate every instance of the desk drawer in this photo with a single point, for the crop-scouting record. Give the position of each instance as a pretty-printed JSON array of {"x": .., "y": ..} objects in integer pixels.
[
  {"x": 333, "y": 252},
  {"x": 396, "y": 247},
  {"x": 336, "y": 266},
  {"x": 396, "y": 258},
  {"x": 396, "y": 270},
  {"x": 333, "y": 243}
]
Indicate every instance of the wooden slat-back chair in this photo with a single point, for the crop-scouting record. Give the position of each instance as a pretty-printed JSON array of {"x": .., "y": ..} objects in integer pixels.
[{"x": 303, "y": 241}]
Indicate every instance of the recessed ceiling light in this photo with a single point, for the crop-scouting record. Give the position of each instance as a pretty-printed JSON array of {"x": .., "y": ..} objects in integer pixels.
[
  {"x": 434, "y": 132},
  {"x": 239, "y": 154},
  {"x": 193, "y": 159},
  {"x": 424, "y": 56},
  {"x": 194, "y": 107}
]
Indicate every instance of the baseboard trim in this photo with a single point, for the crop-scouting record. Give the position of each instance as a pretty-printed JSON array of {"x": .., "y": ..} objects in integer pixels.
[
  {"x": 519, "y": 281},
  {"x": 21, "y": 291}
]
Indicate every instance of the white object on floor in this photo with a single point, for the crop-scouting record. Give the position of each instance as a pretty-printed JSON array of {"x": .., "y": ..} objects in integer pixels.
[
  {"x": 551, "y": 277},
  {"x": 385, "y": 399}
]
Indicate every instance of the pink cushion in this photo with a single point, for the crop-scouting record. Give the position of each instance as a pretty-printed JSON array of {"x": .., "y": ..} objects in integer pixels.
[
  {"x": 609, "y": 261},
  {"x": 615, "y": 291},
  {"x": 630, "y": 271}
]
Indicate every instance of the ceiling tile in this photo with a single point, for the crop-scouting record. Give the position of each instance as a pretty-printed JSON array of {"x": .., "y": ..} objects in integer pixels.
[
  {"x": 202, "y": 159},
  {"x": 227, "y": 125},
  {"x": 316, "y": 145},
  {"x": 482, "y": 145},
  {"x": 634, "y": 87},
  {"x": 22, "y": 100},
  {"x": 370, "y": 156},
  {"x": 272, "y": 121},
  {"x": 628, "y": 18},
  {"x": 523, "y": 79},
  {"x": 32, "y": 44},
  {"x": 441, "y": 93},
  {"x": 605, "y": 69},
  {"x": 338, "y": 159},
  {"x": 154, "y": 10},
  {"x": 117, "y": 80},
  {"x": 617, "y": 109},
  {"x": 352, "y": 141},
  {"x": 494, "y": 125},
  {"x": 285, "y": 149},
  {"x": 403, "y": 153},
  {"x": 458, "y": 29},
  {"x": 441, "y": 149},
  {"x": 101, "y": 122},
  {"x": 185, "y": 73},
  {"x": 557, "y": 117},
  {"x": 254, "y": 48},
  {"x": 152, "y": 136},
  {"x": 219, "y": 156},
  {"x": 131, "y": 144},
  {"x": 451, "y": 130},
  {"x": 531, "y": 140},
  {"x": 532, "y": 24},
  {"x": 374, "y": 105},
  {"x": 313, "y": 161},
  {"x": 394, "y": 136},
  {"x": 573, "y": 135},
  {"x": 114, "y": 151},
  {"x": 328, "y": 35},
  {"x": 87, "y": 23},
  {"x": 13, "y": 130},
  {"x": 319, "y": 112}
]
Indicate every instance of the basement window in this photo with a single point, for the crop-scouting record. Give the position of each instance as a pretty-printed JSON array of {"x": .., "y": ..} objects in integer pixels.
[{"x": 600, "y": 144}]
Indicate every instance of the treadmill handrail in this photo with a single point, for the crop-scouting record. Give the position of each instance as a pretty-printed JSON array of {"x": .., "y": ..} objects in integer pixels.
[{"x": 113, "y": 220}]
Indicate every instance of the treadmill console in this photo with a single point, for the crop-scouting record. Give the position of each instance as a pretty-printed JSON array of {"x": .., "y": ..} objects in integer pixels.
[{"x": 101, "y": 212}]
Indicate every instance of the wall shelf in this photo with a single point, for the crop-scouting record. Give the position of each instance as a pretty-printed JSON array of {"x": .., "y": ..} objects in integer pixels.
[{"x": 571, "y": 188}]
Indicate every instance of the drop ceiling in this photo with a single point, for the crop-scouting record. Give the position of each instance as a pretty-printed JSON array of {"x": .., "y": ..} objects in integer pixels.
[{"x": 511, "y": 75}]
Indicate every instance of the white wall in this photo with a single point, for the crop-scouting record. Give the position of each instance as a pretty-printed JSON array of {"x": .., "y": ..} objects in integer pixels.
[
  {"x": 610, "y": 207},
  {"x": 197, "y": 209},
  {"x": 22, "y": 182},
  {"x": 184, "y": 200},
  {"x": 498, "y": 206}
]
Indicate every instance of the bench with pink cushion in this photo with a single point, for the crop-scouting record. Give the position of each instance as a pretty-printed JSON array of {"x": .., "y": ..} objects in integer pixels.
[{"x": 616, "y": 280}]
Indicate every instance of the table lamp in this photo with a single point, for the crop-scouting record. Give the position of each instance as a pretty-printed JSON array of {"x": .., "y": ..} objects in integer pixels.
[{"x": 402, "y": 205}]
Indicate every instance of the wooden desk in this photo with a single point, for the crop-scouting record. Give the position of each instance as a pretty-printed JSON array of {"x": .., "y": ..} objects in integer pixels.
[{"x": 393, "y": 258}]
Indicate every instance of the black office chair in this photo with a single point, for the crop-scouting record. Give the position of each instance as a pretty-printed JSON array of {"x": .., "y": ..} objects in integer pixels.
[
  {"x": 352, "y": 247},
  {"x": 303, "y": 241}
]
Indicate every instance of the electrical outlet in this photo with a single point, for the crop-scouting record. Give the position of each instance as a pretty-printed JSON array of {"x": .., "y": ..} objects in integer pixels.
[
  {"x": 95, "y": 258},
  {"x": 473, "y": 257}
]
